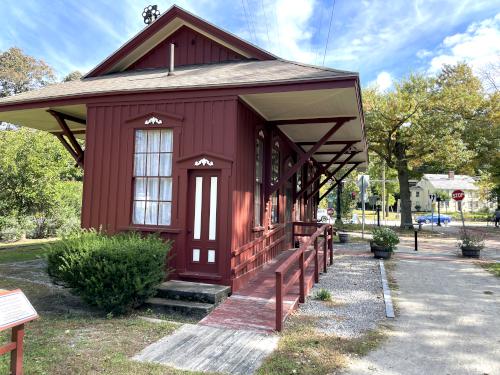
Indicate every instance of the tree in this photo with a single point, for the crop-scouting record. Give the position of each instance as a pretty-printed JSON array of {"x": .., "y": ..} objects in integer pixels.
[
  {"x": 34, "y": 166},
  {"x": 420, "y": 126},
  {"x": 73, "y": 76},
  {"x": 20, "y": 72}
]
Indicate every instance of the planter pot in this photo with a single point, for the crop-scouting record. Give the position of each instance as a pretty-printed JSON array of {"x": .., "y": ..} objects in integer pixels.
[
  {"x": 380, "y": 252},
  {"x": 343, "y": 237},
  {"x": 471, "y": 251}
]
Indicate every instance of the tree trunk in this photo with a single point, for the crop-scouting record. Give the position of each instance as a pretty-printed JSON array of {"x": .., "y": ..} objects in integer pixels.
[{"x": 404, "y": 186}]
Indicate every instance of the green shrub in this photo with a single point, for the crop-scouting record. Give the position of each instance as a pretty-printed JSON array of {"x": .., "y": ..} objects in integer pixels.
[
  {"x": 385, "y": 237},
  {"x": 115, "y": 273},
  {"x": 323, "y": 295},
  {"x": 11, "y": 229}
]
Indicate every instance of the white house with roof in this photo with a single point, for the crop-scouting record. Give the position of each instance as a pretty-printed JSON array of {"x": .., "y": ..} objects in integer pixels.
[{"x": 433, "y": 183}]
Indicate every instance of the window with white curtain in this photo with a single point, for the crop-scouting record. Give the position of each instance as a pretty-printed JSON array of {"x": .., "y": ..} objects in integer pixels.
[{"x": 153, "y": 177}]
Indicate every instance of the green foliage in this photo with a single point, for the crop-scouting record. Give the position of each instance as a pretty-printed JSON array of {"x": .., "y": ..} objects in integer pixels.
[
  {"x": 433, "y": 124},
  {"x": 73, "y": 76},
  {"x": 20, "y": 72},
  {"x": 385, "y": 237},
  {"x": 323, "y": 295},
  {"x": 471, "y": 239},
  {"x": 115, "y": 273},
  {"x": 41, "y": 187}
]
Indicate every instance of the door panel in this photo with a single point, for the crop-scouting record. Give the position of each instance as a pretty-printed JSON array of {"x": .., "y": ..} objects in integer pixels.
[{"x": 202, "y": 234}]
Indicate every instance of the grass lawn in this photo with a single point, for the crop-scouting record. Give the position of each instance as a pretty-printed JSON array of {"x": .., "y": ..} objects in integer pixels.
[
  {"x": 83, "y": 343},
  {"x": 494, "y": 268},
  {"x": 22, "y": 251},
  {"x": 301, "y": 350}
]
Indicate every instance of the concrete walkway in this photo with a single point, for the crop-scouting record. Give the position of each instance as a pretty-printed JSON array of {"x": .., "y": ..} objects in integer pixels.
[{"x": 448, "y": 322}]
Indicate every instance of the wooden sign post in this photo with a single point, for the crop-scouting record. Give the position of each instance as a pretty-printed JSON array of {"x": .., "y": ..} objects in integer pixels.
[{"x": 15, "y": 311}]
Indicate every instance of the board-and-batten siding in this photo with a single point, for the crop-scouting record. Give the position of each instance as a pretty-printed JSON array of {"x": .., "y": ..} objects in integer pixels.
[
  {"x": 191, "y": 48},
  {"x": 207, "y": 126},
  {"x": 244, "y": 176}
]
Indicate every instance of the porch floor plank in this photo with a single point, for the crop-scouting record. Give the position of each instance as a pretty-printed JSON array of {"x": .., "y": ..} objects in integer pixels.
[{"x": 253, "y": 307}]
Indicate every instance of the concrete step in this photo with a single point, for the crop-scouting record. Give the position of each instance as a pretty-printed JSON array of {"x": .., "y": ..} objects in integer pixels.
[
  {"x": 196, "y": 292},
  {"x": 187, "y": 308}
]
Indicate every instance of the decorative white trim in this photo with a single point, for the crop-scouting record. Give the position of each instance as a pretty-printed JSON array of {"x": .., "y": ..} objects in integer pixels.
[
  {"x": 153, "y": 120},
  {"x": 203, "y": 162}
]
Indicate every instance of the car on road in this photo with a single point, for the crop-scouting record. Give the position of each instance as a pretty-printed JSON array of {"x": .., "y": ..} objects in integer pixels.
[{"x": 427, "y": 219}]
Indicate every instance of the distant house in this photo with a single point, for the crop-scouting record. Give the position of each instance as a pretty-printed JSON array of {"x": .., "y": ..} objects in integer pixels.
[{"x": 433, "y": 183}]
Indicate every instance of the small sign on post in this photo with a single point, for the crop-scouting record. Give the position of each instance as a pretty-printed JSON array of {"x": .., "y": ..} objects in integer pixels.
[
  {"x": 15, "y": 311},
  {"x": 458, "y": 196}
]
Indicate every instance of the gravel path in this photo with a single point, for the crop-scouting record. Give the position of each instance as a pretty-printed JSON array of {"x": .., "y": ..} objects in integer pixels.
[{"x": 357, "y": 300}]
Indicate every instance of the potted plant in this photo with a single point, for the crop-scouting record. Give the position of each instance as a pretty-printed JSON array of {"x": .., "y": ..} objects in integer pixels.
[
  {"x": 471, "y": 244},
  {"x": 384, "y": 242},
  {"x": 343, "y": 236}
]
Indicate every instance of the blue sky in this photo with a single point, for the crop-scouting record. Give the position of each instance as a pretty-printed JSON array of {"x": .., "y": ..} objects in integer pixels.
[{"x": 382, "y": 39}]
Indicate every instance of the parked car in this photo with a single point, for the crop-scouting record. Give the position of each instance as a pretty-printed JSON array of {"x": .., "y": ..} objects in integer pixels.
[
  {"x": 427, "y": 219},
  {"x": 322, "y": 215}
]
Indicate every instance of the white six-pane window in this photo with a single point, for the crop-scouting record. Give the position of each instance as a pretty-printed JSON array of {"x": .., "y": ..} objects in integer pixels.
[{"x": 153, "y": 177}]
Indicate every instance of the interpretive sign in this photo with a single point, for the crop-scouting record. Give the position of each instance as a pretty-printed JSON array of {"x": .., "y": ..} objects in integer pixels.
[{"x": 15, "y": 309}]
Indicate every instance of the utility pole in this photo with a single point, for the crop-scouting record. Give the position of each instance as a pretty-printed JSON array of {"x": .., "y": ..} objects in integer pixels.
[{"x": 383, "y": 191}]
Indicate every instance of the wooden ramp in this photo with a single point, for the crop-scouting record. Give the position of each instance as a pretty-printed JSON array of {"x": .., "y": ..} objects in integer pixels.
[
  {"x": 210, "y": 349},
  {"x": 254, "y": 306}
]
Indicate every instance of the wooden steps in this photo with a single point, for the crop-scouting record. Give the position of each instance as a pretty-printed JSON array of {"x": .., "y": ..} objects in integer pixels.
[{"x": 187, "y": 298}]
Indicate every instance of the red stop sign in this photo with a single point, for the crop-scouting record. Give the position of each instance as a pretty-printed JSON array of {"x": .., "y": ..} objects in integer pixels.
[{"x": 458, "y": 195}]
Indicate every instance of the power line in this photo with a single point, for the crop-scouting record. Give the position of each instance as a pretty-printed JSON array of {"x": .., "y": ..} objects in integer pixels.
[
  {"x": 251, "y": 17},
  {"x": 328, "y": 36},
  {"x": 246, "y": 17},
  {"x": 277, "y": 27},
  {"x": 265, "y": 18}
]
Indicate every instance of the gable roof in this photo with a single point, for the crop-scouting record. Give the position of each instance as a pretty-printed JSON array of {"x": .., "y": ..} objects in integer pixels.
[
  {"x": 231, "y": 74},
  {"x": 164, "y": 26},
  {"x": 460, "y": 181}
]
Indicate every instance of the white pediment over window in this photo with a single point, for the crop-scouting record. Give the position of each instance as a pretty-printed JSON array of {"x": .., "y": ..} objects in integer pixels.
[
  {"x": 204, "y": 162},
  {"x": 153, "y": 120}
]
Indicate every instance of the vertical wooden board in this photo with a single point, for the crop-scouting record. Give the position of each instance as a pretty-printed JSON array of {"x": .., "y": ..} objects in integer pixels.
[
  {"x": 88, "y": 184},
  {"x": 97, "y": 170},
  {"x": 106, "y": 128},
  {"x": 115, "y": 166}
]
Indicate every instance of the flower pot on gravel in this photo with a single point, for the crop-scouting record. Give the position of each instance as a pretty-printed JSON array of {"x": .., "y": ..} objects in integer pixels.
[
  {"x": 380, "y": 252},
  {"x": 384, "y": 242},
  {"x": 343, "y": 237},
  {"x": 471, "y": 251},
  {"x": 471, "y": 243}
]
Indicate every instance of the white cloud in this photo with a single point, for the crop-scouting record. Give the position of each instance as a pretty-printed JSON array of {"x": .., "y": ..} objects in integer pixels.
[
  {"x": 423, "y": 53},
  {"x": 383, "y": 82},
  {"x": 479, "y": 46}
]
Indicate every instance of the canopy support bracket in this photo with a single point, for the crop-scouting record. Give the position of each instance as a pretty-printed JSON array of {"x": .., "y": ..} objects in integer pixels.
[{"x": 73, "y": 146}]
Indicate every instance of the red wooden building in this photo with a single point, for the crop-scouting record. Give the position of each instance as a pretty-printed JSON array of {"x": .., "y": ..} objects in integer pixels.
[{"x": 194, "y": 133}]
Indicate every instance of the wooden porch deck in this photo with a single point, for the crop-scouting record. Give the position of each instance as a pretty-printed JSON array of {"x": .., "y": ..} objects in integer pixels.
[{"x": 253, "y": 307}]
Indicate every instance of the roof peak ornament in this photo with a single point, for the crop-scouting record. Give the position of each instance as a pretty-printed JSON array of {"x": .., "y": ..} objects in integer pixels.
[{"x": 150, "y": 14}]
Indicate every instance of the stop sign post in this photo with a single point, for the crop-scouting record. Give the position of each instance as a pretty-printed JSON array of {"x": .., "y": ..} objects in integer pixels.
[{"x": 458, "y": 196}]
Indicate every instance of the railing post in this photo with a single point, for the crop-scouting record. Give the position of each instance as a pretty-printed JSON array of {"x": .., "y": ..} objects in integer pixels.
[
  {"x": 331, "y": 245},
  {"x": 293, "y": 235},
  {"x": 302, "y": 281},
  {"x": 279, "y": 301},
  {"x": 325, "y": 249},
  {"x": 16, "y": 355},
  {"x": 316, "y": 261}
]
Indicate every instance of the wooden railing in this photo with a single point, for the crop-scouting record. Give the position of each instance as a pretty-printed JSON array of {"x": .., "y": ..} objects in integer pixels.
[
  {"x": 256, "y": 253},
  {"x": 301, "y": 259}
]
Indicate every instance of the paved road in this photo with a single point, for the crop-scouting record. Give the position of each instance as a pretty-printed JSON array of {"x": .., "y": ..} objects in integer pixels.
[{"x": 448, "y": 322}]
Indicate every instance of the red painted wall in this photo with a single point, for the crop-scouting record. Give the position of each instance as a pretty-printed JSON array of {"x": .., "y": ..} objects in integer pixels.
[
  {"x": 191, "y": 48},
  {"x": 208, "y": 125}
]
